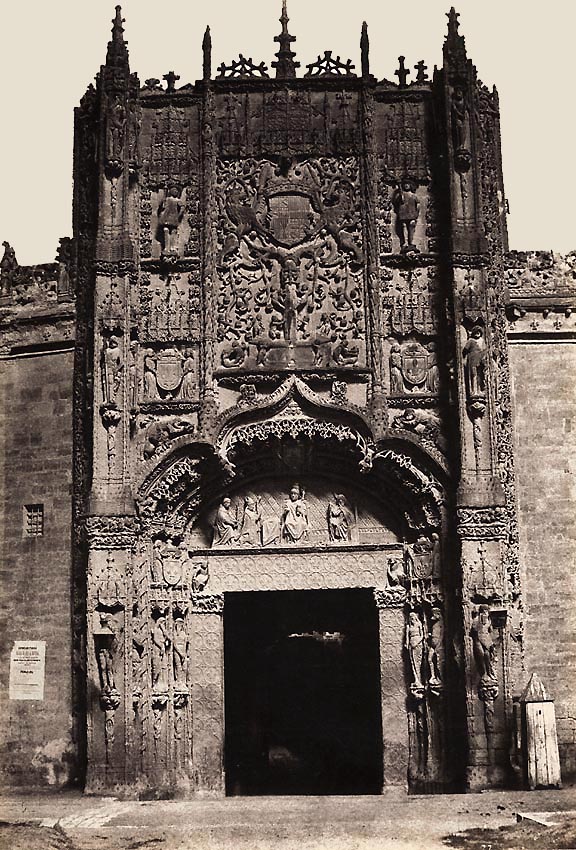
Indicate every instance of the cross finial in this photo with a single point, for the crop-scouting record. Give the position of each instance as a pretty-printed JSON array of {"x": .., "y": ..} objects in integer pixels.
[
  {"x": 285, "y": 66},
  {"x": 171, "y": 78},
  {"x": 402, "y": 72},
  {"x": 421, "y": 68}
]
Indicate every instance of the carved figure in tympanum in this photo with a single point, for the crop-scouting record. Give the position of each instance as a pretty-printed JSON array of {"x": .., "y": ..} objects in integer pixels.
[
  {"x": 340, "y": 519},
  {"x": 251, "y": 527},
  {"x": 294, "y": 520},
  {"x": 225, "y": 524}
]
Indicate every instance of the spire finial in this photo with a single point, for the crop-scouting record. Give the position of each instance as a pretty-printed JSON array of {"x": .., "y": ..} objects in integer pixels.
[
  {"x": 364, "y": 48},
  {"x": 453, "y": 22},
  {"x": 285, "y": 66},
  {"x": 207, "y": 55},
  {"x": 117, "y": 55},
  {"x": 117, "y": 28}
]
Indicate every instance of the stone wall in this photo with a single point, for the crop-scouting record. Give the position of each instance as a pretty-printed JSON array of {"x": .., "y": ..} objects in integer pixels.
[
  {"x": 545, "y": 428},
  {"x": 36, "y": 468}
]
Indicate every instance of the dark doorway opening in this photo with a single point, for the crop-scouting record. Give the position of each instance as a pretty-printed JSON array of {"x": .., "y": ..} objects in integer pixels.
[{"x": 302, "y": 688}]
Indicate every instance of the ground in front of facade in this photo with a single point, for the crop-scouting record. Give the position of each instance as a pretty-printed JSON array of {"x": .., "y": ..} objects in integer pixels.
[{"x": 392, "y": 821}]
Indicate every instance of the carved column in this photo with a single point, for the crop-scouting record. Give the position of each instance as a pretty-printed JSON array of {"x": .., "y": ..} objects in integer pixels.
[
  {"x": 370, "y": 225},
  {"x": 207, "y": 654},
  {"x": 395, "y": 741},
  {"x": 110, "y": 540}
]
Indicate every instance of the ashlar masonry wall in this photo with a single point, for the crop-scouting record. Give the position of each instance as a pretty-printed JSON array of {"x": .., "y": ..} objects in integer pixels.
[
  {"x": 545, "y": 435},
  {"x": 36, "y": 746}
]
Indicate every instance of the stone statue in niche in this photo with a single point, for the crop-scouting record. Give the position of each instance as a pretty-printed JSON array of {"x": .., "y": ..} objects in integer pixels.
[
  {"x": 225, "y": 524},
  {"x": 109, "y": 587},
  {"x": 435, "y": 647},
  {"x": 396, "y": 380},
  {"x": 414, "y": 645},
  {"x": 407, "y": 208},
  {"x": 483, "y": 643},
  {"x": 433, "y": 376},
  {"x": 294, "y": 520},
  {"x": 474, "y": 354},
  {"x": 112, "y": 369},
  {"x": 150, "y": 385},
  {"x": 188, "y": 389},
  {"x": 107, "y": 650},
  {"x": 115, "y": 130},
  {"x": 340, "y": 519},
  {"x": 160, "y": 645},
  {"x": 170, "y": 214},
  {"x": 180, "y": 647},
  {"x": 251, "y": 528},
  {"x": 459, "y": 114}
]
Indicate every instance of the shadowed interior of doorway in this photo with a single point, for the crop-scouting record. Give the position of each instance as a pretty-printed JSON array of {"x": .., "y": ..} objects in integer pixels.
[{"x": 302, "y": 688}]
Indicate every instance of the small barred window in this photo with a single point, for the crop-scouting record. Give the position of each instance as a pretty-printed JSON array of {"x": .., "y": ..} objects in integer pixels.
[{"x": 33, "y": 520}]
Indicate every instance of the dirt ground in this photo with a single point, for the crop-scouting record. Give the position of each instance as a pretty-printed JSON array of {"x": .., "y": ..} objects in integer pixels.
[{"x": 390, "y": 822}]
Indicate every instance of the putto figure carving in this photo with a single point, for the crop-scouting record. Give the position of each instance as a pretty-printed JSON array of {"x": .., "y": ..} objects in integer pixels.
[
  {"x": 294, "y": 522},
  {"x": 407, "y": 208}
]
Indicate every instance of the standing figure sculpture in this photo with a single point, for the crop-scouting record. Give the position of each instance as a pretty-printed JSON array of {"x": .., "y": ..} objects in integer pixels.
[
  {"x": 250, "y": 531},
  {"x": 407, "y": 208},
  {"x": 225, "y": 524},
  {"x": 160, "y": 644},
  {"x": 395, "y": 362},
  {"x": 483, "y": 643},
  {"x": 180, "y": 649},
  {"x": 170, "y": 213},
  {"x": 414, "y": 645},
  {"x": 340, "y": 520},
  {"x": 112, "y": 368},
  {"x": 294, "y": 522},
  {"x": 474, "y": 353}
]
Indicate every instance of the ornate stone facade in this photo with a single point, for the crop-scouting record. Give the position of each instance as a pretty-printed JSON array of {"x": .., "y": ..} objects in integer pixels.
[{"x": 291, "y": 375}]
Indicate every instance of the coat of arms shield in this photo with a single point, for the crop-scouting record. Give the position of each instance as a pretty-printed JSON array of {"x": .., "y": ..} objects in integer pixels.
[
  {"x": 169, "y": 369},
  {"x": 414, "y": 364},
  {"x": 291, "y": 217}
]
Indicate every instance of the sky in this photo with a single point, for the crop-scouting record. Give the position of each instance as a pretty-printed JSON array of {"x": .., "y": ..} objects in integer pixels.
[{"x": 51, "y": 51}]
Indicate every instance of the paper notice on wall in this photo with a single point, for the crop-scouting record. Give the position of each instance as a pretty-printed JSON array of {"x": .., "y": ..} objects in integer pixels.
[{"x": 27, "y": 661}]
